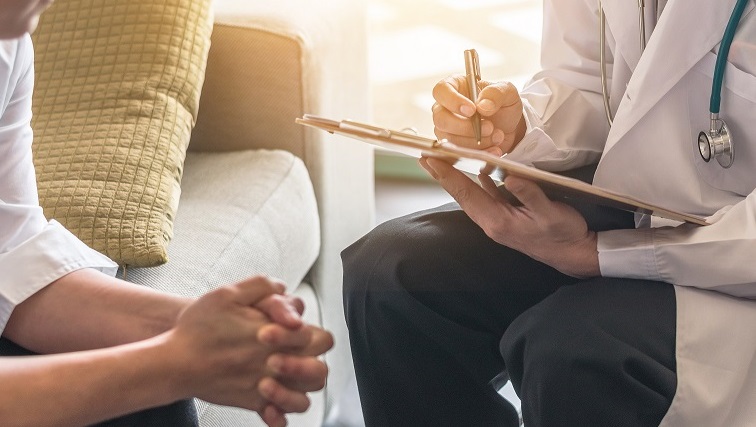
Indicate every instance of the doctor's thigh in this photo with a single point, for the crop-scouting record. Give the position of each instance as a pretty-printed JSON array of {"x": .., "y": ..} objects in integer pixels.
[{"x": 428, "y": 298}]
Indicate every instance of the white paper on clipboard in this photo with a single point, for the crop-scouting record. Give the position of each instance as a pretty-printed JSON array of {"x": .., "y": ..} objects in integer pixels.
[{"x": 477, "y": 161}]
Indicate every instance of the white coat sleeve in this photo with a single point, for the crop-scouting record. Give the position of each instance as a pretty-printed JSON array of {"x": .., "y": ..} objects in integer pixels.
[
  {"x": 563, "y": 105},
  {"x": 717, "y": 257},
  {"x": 33, "y": 251}
]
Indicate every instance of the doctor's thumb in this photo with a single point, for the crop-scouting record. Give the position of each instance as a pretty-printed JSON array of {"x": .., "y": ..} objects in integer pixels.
[
  {"x": 487, "y": 107},
  {"x": 498, "y": 96}
]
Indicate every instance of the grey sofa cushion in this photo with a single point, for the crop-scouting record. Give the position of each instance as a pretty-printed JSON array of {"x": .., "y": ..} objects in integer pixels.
[{"x": 241, "y": 213}]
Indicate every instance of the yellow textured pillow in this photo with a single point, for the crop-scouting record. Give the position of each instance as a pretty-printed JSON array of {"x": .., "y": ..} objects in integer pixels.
[{"x": 117, "y": 91}]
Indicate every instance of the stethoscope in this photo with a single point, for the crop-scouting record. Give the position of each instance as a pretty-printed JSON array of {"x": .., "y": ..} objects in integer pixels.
[{"x": 717, "y": 141}]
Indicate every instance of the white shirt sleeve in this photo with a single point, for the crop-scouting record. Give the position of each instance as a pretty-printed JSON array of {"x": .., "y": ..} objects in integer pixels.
[
  {"x": 33, "y": 251},
  {"x": 717, "y": 257}
]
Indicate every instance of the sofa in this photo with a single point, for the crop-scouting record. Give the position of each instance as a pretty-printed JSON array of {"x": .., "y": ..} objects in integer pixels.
[{"x": 165, "y": 137}]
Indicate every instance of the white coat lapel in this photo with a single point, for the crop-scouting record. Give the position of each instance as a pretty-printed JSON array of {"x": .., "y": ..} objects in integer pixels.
[
  {"x": 682, "y": 37},
  {"x": 622, "y": 20}
]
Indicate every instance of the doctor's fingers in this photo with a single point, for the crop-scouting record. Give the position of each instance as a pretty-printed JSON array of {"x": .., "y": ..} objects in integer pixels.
[
  {"x": 491, "y": 188},
  {"x": 459, "y": 130},
  {"x": 498, "y": 96},
  {"x": 451, "y": 93},
  {"x": 529, "y": 194},
  {"x": 479, "y": 205},
  {"x": 501, "y": 104}
]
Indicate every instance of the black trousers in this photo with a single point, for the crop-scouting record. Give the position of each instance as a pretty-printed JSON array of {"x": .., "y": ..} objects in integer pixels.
[
  {"x": 439, "y": 315},
  {"x": 178, "y": 414}
]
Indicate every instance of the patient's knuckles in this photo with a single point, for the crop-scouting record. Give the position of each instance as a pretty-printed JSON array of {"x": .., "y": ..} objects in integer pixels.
[{"x": 223, "y": 294}]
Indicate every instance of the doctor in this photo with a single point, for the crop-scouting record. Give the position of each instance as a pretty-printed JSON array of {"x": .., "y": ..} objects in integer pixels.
[
  {"x": 114, "y": 348},
  {"x": 597, "y": 318}
]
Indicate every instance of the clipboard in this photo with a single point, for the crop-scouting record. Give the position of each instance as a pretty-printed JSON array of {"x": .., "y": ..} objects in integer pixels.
[{"x": 477, "y": 161}]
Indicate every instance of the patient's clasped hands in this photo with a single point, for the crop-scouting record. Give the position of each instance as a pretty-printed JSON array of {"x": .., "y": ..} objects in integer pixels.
[{"x": 245, "y": 345}]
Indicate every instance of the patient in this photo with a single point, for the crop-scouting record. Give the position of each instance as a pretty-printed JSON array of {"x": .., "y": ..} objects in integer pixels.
[{"x": 243, "y": 345}]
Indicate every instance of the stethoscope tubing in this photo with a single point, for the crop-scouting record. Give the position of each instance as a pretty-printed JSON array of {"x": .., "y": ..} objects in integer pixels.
[
  {"x": 602, "y": 60},
  {"x": 724, "y": 50}
]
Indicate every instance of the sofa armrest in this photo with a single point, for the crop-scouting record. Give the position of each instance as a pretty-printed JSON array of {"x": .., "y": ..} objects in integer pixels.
[{"x": 269, "y": 63}]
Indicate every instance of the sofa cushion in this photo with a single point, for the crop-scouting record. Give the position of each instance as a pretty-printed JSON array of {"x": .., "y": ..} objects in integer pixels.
[
  {"x": 242, "y": 213},
  {"x": 117, "y": 91}
]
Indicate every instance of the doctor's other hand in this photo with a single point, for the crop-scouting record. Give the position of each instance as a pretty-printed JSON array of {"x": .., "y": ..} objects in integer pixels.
[
  {"x": 547, "y": 231},
  {"x": 227, "y": 351},
  {"x": 500, "y": 107}
]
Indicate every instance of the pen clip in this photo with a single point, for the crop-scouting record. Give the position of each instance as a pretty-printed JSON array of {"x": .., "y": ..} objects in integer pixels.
[
  {"x": 472, "y": 64},
  {"x": 472, "y": 71}
]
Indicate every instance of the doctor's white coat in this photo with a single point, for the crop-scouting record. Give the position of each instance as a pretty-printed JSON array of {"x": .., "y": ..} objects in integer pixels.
[{"x": 661, "y": 100}]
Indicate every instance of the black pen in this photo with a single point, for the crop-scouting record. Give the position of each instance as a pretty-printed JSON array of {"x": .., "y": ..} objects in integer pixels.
[{"x": 472, "y": 71}]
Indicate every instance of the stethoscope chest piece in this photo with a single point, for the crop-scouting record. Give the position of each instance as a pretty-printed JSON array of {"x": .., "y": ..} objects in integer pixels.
[{"x": 716, "y": 143}]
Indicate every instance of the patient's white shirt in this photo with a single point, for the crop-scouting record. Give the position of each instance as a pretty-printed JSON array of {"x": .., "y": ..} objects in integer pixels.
[{"x": 33, "y": 251}]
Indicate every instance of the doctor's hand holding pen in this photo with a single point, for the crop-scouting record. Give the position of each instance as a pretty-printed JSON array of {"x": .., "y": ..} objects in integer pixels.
[
  {"x": 551, "y": 232},
  {"x": 499, "y": 106}
]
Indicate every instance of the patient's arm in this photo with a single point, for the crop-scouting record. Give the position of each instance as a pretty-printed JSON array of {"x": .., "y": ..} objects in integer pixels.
[
  {"x": 87, "y": 309},
  {"x": 218, "y": 350}
]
